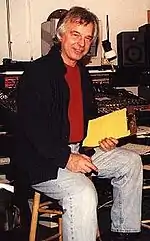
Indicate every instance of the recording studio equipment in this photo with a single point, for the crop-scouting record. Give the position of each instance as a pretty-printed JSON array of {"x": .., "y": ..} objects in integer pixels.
[
  {"x": 94, "y": 56},
  {"x": 102, "y": 75},
  {"x": 145, "y": 29},
  {"x": 109, "y": 52},
  {"x": 13, "y": 65},
  {"x": 131, "y": 77},
  {"x": 57, "y": 14},
  {"x": 8, "y": 106},
  {"x": 144, "y": 91},
  {"x": 48, "y": 30},
  {"x": 9, "y": 79},
  {"x": 8, "y": 84},
  {"x": 131, "y": 49},
  {"x": 10, "y": 73},
  {"x": 109, "y": 99},
  {"x": 8, "y": 101}
]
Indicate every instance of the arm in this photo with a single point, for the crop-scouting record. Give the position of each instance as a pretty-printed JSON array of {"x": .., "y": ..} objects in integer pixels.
[{"x": 37, "y": 117}]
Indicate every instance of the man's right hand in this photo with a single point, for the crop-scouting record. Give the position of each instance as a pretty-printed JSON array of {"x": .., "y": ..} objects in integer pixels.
[{"x": 80, "y": 163}]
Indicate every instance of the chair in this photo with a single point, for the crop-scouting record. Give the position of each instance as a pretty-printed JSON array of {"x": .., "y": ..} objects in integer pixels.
[
  {"x": 45, "y": 208},
  {"x": 146, "y": 222}
]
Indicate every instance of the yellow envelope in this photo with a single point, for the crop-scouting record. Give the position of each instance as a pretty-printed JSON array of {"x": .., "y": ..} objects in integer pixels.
[{"x": 110, "y": 125}]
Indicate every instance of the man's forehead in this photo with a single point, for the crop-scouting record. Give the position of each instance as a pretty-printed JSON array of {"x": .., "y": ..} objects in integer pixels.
[{"x": 77, "y": 23}]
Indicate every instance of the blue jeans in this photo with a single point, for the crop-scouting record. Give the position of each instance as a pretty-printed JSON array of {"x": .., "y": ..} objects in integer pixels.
[{"x": 78, "y": 195}]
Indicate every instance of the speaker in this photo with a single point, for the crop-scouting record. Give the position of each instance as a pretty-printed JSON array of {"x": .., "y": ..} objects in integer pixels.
[
  {"x": 131, "y": 49},
  {"x": 146, "y": 30}
]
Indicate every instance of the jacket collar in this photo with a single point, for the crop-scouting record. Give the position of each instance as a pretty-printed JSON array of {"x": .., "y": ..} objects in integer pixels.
[{"x": 55, "y": 55}]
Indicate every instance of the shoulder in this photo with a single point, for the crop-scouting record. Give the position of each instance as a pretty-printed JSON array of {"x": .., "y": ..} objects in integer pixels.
[
  {"x": 47, "y": 64},
  {"x": 40, "y": 64},
  {"x": 34, "y": 74}
]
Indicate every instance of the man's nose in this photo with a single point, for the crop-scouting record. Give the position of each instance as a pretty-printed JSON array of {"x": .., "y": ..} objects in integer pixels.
[{"x": 82, "y": 41}]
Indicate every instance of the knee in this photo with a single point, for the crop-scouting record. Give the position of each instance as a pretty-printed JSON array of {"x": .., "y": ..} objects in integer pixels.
[
  {"x": 134, "y": 162},
  {"x": 87, "y": 194},
  {"x": 90, "y": 193},
  {"x": 83, "y": 196}
]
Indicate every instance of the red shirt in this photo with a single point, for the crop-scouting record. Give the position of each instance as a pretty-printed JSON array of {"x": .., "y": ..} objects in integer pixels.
[{"x": 75, "y": 110}]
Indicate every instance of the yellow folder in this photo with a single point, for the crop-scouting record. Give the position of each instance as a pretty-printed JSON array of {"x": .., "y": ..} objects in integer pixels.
[{"x": 110, "y": 125}]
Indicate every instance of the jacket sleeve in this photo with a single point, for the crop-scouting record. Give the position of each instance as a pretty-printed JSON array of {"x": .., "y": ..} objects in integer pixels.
[{"x": 36, "y": 120}]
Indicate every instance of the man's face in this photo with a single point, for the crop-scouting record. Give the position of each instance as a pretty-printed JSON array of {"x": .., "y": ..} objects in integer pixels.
[{"x": 75, "y": 42}]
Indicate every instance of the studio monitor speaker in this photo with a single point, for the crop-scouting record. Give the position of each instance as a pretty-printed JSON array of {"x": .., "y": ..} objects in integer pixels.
[
  {"x": 145, "y": 29},
  {"x": 130, "y": 49}
]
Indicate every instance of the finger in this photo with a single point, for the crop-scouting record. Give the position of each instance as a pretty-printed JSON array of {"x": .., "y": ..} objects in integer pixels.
[
  {"x": 107, "y": 143},
  {"x": 86, "y": 157},
  {"x": 106, "y": 146},
  {"x": 86, "y": 170},
  {"x": 87, "y": 166},
  {"x": 91, "y": 166},
  {"x": 114, "y": 140},
  {"x": 103, "y": 146}
]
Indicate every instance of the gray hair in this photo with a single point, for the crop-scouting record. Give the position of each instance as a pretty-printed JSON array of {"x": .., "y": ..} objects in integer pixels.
[{"x": 79, "y": 15}]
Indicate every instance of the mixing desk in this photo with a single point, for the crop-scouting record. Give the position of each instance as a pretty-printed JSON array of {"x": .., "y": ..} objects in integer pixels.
[{"x": 109, "y": 99}]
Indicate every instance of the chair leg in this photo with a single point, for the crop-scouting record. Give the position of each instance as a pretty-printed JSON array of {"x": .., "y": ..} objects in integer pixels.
[
  {"x": 34, "y": 218},
  {"x": 60, "y": 228}
]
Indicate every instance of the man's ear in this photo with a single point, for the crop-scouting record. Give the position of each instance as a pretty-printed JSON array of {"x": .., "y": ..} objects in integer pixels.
[
  {"x": 56, "y": 40},
  {"x": 59, "y": 37}
]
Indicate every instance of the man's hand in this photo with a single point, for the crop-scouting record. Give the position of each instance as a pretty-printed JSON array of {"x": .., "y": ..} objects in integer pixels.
[
  {"x": 80, "y": 163},
  {"x": 108, "y": 144}
]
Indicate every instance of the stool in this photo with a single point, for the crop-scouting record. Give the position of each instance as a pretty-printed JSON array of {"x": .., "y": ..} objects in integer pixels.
[
  {"x": 146, "y": 223},
  {"x": 45, "y": 207}
]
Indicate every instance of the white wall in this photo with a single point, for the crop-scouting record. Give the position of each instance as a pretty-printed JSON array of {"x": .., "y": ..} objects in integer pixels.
[
  {"x": 3, "y": 31},
  {"x": 27, "y": 16}
]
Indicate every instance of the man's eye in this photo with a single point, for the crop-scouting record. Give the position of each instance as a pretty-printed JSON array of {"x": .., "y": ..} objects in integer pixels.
[
  {"x": 89, "y": 39},
  {"x": 75, "y": 35}
]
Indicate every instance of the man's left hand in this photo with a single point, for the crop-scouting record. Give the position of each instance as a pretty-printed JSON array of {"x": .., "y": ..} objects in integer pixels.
[{"x": 108, "y": 144}]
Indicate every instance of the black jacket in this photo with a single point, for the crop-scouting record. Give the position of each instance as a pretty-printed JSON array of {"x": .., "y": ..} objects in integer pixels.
[{"x": 42, "y": 118}]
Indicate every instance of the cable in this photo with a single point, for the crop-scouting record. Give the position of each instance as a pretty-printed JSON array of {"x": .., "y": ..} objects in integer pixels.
[{"x": 106, "y": 203}]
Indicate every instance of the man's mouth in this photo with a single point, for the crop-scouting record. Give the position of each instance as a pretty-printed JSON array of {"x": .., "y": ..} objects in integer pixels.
[{"x": 77, "y": 51}]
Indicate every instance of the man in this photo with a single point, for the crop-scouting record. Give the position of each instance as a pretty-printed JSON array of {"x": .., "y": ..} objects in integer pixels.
[{"x": 54, "y": 106}]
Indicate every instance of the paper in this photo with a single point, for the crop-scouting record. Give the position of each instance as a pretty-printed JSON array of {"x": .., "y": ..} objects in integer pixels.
[{"x": 110, "y": 125}]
